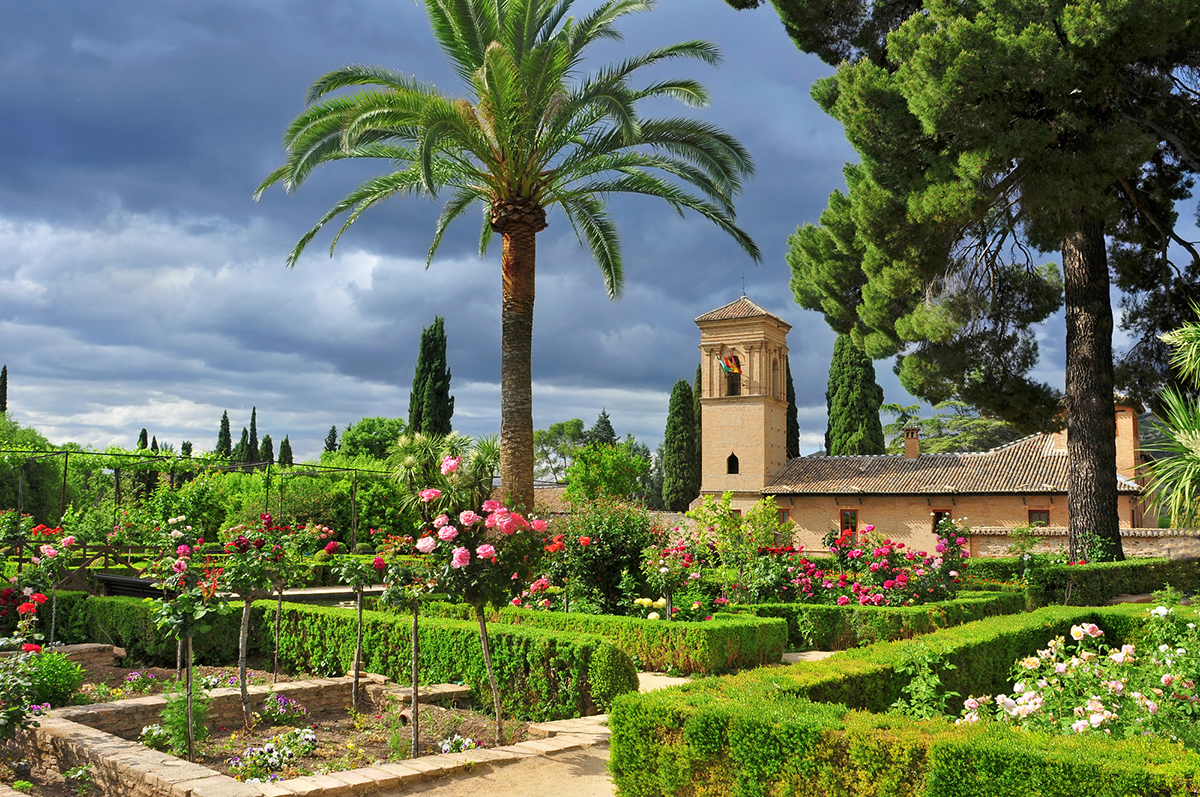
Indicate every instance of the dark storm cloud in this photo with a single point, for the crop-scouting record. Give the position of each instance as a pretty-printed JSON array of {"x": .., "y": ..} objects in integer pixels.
[{"x": 142, "y": 286}]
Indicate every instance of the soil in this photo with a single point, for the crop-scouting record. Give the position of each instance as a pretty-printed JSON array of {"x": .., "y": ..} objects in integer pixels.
[{"x": 345, "y": 739}]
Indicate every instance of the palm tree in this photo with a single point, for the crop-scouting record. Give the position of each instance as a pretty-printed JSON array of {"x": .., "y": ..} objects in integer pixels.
[
  {"x": 533, "y": 132},
  {"x": 1175, "y": 471}
]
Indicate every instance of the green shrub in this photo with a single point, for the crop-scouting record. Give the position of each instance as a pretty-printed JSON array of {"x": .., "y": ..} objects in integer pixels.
[
  {"x": 364, "y": 548},
  {"x": 807, "y": 729},
  {"x": 727, "y": 643},
  {"x": 53, "y": 679},
  {"x": 610, "y": 673},
  {"x": 174, "y": 718},
  {"x": 1094, "y": 584},
  {"x": 824, "y": 627}
]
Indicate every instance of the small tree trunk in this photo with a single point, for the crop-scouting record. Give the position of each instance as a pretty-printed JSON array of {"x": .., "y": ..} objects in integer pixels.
[
  {"x": 415, "y": 701},
  {"x": 53, "y": 611},
  {"x": 191, "y": 731},
  {"x": 243, "y": 638},
  {"x": 179, "y": 660},
  {"x": 278, "y": 617},
  {"x": 357, "y": 650},
  {"x": 1093, "y": 525},
  {"x": 487, "y": 661}
]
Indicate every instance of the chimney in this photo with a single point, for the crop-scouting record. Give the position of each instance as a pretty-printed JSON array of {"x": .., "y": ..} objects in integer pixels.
[{"x": 912, "y": 441}]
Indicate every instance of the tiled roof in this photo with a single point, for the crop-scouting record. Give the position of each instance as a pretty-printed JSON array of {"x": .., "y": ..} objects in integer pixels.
[
  {"x": 741, "y": 308},
  {"x": 1028, "y": 465}
]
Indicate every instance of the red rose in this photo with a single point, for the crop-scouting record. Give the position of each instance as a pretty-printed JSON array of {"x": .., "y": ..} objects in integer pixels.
[
  {"x": 29, "y": 647},
  {"x": 585, "y": 541},
  {"x": 27, "y": 608},
  {"x": 39, "y": 598}
]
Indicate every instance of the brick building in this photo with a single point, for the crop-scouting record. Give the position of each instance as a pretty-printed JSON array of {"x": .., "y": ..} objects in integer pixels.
[{"x": 744, "y": 420}]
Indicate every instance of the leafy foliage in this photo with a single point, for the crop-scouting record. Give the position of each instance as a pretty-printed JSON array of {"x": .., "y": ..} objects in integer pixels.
[
  {"x": 604, "y": 470},
  {"x": 1175, "y": 470},
  {"x": 958, "y": 428}
]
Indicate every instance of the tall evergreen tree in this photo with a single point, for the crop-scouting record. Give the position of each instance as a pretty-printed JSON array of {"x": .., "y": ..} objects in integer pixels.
[
  {"x": 154, "y": 444},
  {"x": 185, "y": 448},
  {"x": 853, "y": 401},
  {"x": 793, "y": 416},
  {"x": 681, "y": 479},
  {"x": 331, "y": 439},
  {"x": 266, "y": 450},
  {"x": 252, "y": 454},
  {"x": 696, "y": 394},
  {"x": 285, "y": 452},
  {"x": 4, "y": 388},
  {"x": 602, "y": 431},
  {"x": 224, "y": 439},
  {"x": 143, "y": 439},
  {"x": 240, "y": 451},
  {"x": 430, "y": 405}
]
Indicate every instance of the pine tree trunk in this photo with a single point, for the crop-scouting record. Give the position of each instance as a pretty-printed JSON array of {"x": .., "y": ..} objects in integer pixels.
[
  {"x": 1094, "y": 531},
  {"x": 243, "y": 638},
  {"x": 487, "y": 660},
  {"x": 357, "y": 651},
  {"x": 414, "y": 703},
  {"x": 191, "y": 731},
  {"x": 516, "y": 350},
  {"x": 278, "y": 617}
]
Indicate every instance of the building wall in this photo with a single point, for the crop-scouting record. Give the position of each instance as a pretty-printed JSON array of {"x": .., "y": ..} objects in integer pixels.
[{"x": 908, "y": 519}]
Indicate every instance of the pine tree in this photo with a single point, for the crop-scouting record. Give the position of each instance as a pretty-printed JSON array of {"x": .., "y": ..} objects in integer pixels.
[
  {"x": 224, "y": 440},
  {"x": 285, "y": 452},
  {"x": 696, "y": 394},
  {"x": 602, "y": 432},
  {"x": 266, "y": 450},
  {"x": 252, "y": 454},
  {"x": 853, "y": 401},
  {"x": 331, "y": 439},
  {"x": 793, "y": 416},
  {"x": 680, "y": 475},
  {"x": 143, "y": 439},
  {"x": 3, "y": 388},
  {"x": 430, "y": 405}
]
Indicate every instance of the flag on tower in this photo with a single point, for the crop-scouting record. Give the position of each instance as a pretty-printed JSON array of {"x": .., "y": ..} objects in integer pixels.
[{"x": 730, "y": 365}]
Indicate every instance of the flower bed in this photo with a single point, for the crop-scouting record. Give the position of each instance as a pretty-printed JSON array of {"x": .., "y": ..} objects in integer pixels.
[{"x": 810, "y": 728}]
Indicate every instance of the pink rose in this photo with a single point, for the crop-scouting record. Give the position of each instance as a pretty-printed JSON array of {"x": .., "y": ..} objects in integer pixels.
[
  {"x": 426, "y": 544},
  {"x": 492, "y": 506},
  {"x": 538, "y": 525},
  {"x": 450, "y": 464},
  {"x": 468, "y": 518},
  {"x": 429, "y": 495},
  {"x": 440, "y": 521},
  {"x": 843, "y": 600},
  {"x": 183, "y": 550},
  {"x": 447, "y": 533},
  {"x": 180, "y": 565},
  {"x": 378, "y": 563},
  {"x": 486, "y": 551},
  {"x": 507, "y": 524},
  {"x": 48, "y": 552},
  {"x": 68, "y": 541},
  {"x": 460, "y": 557}
]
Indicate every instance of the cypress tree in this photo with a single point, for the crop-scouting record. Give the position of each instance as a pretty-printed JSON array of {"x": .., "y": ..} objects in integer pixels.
[
  {"x": 266, "y": 450},
  {"x": 602, "y": 432},
  {"x": 143, "y": 439},
  {"x": 252, "y": 454},
  {"x": 285, "y": 451},
  {"x": 4, "y": 388},
  {"x": 430, "y": 405},
  {"x": 153, "y": 443},
  {"x": 793, "y": 416},
  {"x": 696, "y": 394},
  {"x": 331, "y": 441},
  {"x": 185, "y": 448},
  {"x": 224, "y": 439},
  {"x": 853, "y": 401},
  {"x": 239, "y": 451},
  {"x": 681, "y": 478}
]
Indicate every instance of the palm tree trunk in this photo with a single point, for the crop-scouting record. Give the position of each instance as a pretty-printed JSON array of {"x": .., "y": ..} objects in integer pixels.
[
  {"x": 487, "y": 661},
  {"x": 414, "y": 702},
  {"x": 518, "y": 263},
  {"x": 1093, "y": 531}
]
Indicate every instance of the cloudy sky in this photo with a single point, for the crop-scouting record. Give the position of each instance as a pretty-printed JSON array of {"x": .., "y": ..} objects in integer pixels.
[{"x": 140, "y": 285}]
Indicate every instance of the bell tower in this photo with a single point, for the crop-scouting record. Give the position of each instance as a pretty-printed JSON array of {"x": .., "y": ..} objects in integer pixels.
[{"x": 743, "y": 400}]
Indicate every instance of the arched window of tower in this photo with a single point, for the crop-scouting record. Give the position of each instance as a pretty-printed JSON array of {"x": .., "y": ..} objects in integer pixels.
[
  {"x": 731, "y": 464},
  {"x": 733, "y": 379},
  {"x": 775, "y": 379}
]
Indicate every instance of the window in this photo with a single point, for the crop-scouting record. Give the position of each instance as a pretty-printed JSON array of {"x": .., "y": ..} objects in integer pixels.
[
  {"x": 735, "y": 512},
  {"x": 784, "y": 516},
  {"x": 733, "y": 376},
  {"x": 783, "y": 538},
  {"x": 731, "y": 464},
  {"x": 938, "y": 516},
  {"x": 850, "y": 520},
  {"x": 1039, "y": 517}
]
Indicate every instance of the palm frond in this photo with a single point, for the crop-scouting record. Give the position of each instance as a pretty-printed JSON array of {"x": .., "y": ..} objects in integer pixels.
[
  {"x": 366, "y": 75},
  {"x": 463, "y": 198},
  {"x": 1175, "y": 472},
  {"x": 590, "y": 219}
]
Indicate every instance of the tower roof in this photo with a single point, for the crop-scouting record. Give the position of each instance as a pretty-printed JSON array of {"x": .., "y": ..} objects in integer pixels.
[{"x": 739, "y": 308}]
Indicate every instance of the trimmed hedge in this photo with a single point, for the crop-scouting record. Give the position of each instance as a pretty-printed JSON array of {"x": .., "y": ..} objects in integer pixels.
[
  {"x": 1094, "y": 584},
  {"x": 823, "y": 627},
  {"x": 726, "y": 643},
  {"x": 805, "y": 729},
  {"x": 542, "y": 674}
]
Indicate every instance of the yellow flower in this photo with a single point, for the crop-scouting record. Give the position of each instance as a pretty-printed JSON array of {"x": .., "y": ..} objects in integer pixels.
[{"x": 652, "y": 616}]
